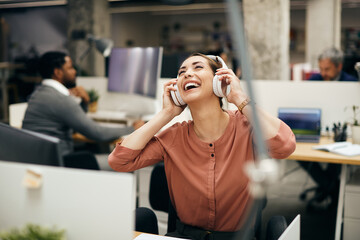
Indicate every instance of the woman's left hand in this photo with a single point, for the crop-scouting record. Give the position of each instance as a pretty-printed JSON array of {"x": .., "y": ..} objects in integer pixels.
[{"x": 237, "y": 95}]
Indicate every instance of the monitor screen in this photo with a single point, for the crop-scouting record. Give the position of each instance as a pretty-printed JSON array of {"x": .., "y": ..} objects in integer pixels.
[
  {"x": 302, "y": 121},
  {"x": 135, "y": 70},
  {"x": 19, "y": 145}
]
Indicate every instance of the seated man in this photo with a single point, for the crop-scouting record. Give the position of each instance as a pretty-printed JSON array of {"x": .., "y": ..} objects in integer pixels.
[
  {"x": 327, "y": 179},
  {"x": 330, "y": 63},
  {"x": 53, "y": 111}
]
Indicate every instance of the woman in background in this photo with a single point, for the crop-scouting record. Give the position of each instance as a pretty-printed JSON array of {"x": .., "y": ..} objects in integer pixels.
[{"x": 204, "y": 158}]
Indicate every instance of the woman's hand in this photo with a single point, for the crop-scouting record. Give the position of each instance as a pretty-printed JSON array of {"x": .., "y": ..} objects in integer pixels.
[
  {"x": 141, "y": 136},
  {"x": 168, "y": 104},
  {"x": 237, "y": 95}
]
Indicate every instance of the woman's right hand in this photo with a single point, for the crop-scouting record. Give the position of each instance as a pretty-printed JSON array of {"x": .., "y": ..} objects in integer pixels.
[{"x": 168, "y": 104}]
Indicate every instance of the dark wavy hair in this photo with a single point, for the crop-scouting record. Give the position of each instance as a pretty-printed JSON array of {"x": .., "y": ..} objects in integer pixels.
[{"x": 49, "y": 62}]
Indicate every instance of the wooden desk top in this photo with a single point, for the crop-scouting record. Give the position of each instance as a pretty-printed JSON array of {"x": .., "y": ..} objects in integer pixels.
[{"x": 304, "y": 152}]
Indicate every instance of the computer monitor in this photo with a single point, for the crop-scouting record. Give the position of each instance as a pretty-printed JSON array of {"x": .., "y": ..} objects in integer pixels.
[
  {"x": 135, "y": 70},
  {"x": 20, "y": 145}
]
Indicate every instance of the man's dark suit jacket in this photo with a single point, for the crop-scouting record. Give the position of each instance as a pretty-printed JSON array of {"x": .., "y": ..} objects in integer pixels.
[{"x": 343, "y": 77}]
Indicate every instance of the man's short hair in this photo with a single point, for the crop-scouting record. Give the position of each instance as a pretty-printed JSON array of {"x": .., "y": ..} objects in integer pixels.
[
  {"x": 49, "y": 61},
  {"x": 335, "y": 55}
]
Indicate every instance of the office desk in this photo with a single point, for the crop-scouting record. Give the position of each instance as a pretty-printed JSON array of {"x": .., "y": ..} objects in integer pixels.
[
  {"x": 109, "y": 116},
  {"x": 304, "y": 152},
  {"x": 81, "y": 138}
]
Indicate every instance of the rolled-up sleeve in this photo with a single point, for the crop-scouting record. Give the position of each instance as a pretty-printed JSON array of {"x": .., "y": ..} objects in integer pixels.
[
  {"x": 283, "y": 144},
  {"x": 123, "y": 159}
]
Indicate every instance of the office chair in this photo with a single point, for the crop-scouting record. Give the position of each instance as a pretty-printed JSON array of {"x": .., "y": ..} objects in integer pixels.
[
  {"x": 327, "y": 181},
  {"x": 146, "y": 221},
  {"x": 275, "y": 227},
  {"x": 82, "y": 159},
  {"x": 159, "y": 197},
  {"x": 160, "y": 200}
]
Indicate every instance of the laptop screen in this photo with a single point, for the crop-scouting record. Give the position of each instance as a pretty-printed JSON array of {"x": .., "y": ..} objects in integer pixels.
[{"x": 304, "y": 122}]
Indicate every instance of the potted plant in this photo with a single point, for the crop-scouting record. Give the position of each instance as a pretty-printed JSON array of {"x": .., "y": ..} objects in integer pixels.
[
  {"x": 94, "y": 97},
  {"x": 355, "y": 127},
  {"x": 33, "y": 232}
]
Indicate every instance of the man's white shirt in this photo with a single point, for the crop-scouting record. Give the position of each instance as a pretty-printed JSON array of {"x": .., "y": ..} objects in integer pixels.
[{"x": 60, "y": 88}]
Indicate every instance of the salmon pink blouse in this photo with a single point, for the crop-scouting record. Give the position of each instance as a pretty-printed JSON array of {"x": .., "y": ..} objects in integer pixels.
[{"x": 207, "y": 182}]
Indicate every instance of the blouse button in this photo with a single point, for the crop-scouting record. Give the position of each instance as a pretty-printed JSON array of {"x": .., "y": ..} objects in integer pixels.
[
  {"x": 212, "y": 155},
  {"x": 210, "y": 145}
]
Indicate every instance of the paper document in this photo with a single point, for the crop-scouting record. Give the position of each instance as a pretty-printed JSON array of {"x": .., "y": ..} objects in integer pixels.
[
  {"x": 145, "y": 236},
  {"x": 342, "y": 148}
]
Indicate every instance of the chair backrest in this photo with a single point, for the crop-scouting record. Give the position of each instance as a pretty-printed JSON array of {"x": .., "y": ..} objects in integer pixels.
[
  {"x": 159, "y": 194},
  {"x": 159, "y": 197},
  {"x": 82, "y": 160},
  {"x": 16, "y": 114}
]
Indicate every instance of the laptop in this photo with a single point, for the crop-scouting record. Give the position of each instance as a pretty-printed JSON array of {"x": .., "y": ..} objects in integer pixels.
[
  {"x": 86, "y": 204},
  {"x": 304, "y": 122},
  {"x": 292, "y": 232}
]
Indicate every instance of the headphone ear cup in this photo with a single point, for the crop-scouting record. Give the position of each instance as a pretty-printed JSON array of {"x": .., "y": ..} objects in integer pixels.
[
  {"x": 175, "y": 95},
  {"x": 216, "y": 86}
]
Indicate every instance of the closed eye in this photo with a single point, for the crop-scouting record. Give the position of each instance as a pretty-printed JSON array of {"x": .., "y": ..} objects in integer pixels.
[{"x": 181, "y": 72}]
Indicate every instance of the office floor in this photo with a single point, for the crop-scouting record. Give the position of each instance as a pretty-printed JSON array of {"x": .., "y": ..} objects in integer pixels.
[{"x": 283, "y": 199}]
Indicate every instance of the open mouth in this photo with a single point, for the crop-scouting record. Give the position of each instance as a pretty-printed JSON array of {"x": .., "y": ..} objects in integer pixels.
[{"x": 190, "y": 86}]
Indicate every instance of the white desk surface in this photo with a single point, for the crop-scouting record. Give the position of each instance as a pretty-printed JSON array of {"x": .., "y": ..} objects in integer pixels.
[{"x": 108, "y": 115}]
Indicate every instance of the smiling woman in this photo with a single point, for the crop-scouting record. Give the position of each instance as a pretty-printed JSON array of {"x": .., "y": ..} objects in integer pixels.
[
  {"x": 220, "y": 88},
  {"x": 204, "y": 157}
]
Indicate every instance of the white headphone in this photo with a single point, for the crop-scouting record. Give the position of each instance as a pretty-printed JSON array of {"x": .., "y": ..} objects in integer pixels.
[{"x": 216, "y": 85}]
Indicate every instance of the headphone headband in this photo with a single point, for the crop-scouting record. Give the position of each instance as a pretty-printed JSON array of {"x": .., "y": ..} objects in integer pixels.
[{"x": 215, "y": 58}]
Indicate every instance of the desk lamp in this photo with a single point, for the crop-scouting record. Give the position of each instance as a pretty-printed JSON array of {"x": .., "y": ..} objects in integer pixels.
[{"x": 103, "y": 45}]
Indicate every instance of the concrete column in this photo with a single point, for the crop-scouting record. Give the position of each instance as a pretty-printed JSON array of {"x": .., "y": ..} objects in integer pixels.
[
  {"x": 323, "y": 20},
  {"x": 267, "y": 24},
  {"x": 88, "y": 17}
]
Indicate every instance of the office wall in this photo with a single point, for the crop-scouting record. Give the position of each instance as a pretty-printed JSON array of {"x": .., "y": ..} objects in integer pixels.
[
  {"x": 331, "y": 97},
  {"x": 43, "y": 29},
  {"x": 145, "y": 29},
  {"x": 133, "y": 104}
]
